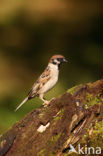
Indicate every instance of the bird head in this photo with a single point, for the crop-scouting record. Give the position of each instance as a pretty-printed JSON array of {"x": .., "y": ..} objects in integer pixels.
[{"x": 57, "y": 59}]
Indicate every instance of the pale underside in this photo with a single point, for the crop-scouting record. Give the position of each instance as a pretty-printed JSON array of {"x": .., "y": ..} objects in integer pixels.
[{"x": 45, "y": 82}]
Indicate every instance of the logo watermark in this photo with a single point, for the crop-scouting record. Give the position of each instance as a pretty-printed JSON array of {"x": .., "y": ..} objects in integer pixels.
[{"x": 85, "y": 150}]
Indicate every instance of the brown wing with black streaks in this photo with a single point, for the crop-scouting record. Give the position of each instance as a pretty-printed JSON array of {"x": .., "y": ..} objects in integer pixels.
[{"x": 41, "y": 81}]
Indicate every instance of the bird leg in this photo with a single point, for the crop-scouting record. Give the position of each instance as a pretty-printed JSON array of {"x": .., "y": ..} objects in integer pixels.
[{"x": 43, "y": 99}]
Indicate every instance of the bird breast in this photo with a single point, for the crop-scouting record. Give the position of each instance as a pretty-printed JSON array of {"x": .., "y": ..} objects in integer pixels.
[{"x": 53, "y": 79}]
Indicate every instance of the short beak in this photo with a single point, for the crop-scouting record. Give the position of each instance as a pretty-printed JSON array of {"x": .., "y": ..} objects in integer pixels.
[{"x": 64, "y": 60}]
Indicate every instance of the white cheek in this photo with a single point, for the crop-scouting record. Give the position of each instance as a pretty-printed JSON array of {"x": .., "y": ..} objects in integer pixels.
[{"x": 56, "y": 61}]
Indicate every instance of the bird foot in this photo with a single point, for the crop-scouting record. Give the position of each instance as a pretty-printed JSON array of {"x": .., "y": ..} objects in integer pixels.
[
  {"x": 52, "y": 99},
  {"x": 45, "y": 104}
]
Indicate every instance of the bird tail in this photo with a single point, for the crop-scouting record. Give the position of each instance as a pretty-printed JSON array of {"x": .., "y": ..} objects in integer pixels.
[{"x": 26, "y": 99}]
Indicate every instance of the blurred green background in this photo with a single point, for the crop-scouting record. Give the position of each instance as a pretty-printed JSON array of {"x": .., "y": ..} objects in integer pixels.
[{"x": 31, "y": 32}]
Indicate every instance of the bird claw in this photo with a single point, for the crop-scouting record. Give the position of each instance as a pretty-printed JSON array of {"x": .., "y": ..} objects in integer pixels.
[
  {"x": 52, "y": 99},
  {"x": 46, "y": 103}
]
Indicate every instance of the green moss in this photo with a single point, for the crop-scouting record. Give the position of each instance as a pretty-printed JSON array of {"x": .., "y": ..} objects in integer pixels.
[
  {"x": 89, "y": 96},
  {"x": 98, "y": 129},
  {"x": 42, "y": 152},
  {"x": 96, "y": 138},
  {"x": 97, "y": 135},
  {"x": 72, "y": 90},
  {"x": 51, "y": 154},
  {"x": 43, "y": 112},
  {"x": 54, "y": 138},
  {"x": 90, "y": 100},
  {"x": 50, "y": 144},
  {"x": 70, "y": 154},
  {"x": 59, "y": 116}
]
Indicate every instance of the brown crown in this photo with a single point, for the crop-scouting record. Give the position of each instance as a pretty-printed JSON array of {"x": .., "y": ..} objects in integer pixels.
[{"x": 55, "y": 57}]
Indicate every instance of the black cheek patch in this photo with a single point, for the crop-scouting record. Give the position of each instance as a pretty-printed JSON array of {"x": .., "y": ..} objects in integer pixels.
[{"x": 54, "y": 62}]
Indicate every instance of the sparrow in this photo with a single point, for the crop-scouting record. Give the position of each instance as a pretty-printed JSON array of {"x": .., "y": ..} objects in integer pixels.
[{"x": 46, "y": 81}]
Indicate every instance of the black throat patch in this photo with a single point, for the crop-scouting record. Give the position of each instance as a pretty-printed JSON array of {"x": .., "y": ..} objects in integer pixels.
[{"x": 54, "y": 63}]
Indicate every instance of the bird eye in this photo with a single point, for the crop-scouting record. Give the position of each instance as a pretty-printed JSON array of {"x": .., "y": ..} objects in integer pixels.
[{"x": 59, "y": 59}]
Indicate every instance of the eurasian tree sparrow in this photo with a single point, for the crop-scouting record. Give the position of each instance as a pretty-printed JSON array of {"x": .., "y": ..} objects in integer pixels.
[{"x": 46, "y": 81}]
